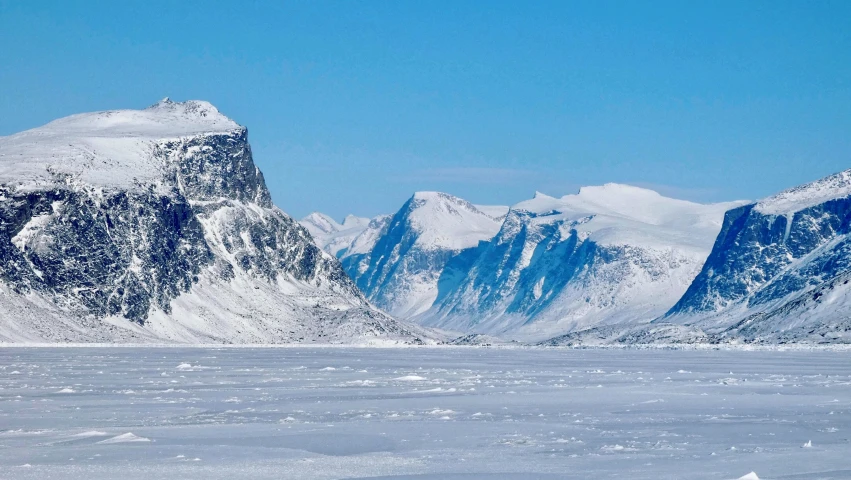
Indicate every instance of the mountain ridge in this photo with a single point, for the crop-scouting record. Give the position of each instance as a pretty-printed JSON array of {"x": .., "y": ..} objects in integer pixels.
[
  {"x": 443, "y": 287},
  {"x": 613, "y": 253},
  {"x": 156, "y": 225}
]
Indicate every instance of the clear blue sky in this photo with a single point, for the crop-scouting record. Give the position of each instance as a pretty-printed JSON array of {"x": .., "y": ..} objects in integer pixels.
[{"x": 352, "y": 106}]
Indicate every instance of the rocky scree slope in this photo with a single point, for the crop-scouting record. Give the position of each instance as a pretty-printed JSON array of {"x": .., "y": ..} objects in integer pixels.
[{"x": 155, "y": 225}]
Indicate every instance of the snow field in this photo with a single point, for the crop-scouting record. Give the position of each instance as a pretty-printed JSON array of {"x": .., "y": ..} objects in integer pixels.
[{"x": 327, "y": 413}]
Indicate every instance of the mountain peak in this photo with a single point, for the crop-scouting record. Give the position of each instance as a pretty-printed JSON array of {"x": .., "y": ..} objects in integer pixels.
[
  {"x": 318, "y": 222},
  {"x": 108, "y": 148},
  {"x": 160, "y": 216},
  {"x": 432, "y": 196},
  {"x": 332, "y": 236},
  {"x": 353, "y": 221},
  {"x": 190, "y": 109},
  {"x": 446, "y": 221},
  {"x": 164, "y": 119}
]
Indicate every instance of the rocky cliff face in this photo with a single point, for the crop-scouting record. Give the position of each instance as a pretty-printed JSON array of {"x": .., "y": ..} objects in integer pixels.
[
  {"x": 156, "y": 225},
  {"x": 118, "y": 253},
  {"x": 779, "y": 268}
]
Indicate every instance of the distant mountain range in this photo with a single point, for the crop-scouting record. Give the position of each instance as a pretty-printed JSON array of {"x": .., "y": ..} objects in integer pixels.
[{"x": 613, "y": 264}]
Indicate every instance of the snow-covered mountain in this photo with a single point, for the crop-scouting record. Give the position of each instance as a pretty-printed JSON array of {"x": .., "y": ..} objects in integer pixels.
[
  {"x": 399, "y": 262},
  {"x": 607, "y": 255},
  {"x": 611, "y": 254},
  {"x": 779, "y": 270},
  {"x": 155, "y": 225}
]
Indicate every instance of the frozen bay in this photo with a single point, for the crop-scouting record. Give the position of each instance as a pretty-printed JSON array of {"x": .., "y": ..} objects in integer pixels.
[{"x": 422, "y": 413}]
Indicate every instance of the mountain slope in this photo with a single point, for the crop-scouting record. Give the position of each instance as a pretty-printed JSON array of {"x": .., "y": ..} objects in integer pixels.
[
  {"x": 607, "y": 255},
  {"x": 398, "y": 266},
  {"x": 779, "y": 269},
  {"x": 155, "y": 225}
]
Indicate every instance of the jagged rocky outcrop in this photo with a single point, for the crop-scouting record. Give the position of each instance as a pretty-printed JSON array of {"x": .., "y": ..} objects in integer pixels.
[{"x": 156, "y": 225}]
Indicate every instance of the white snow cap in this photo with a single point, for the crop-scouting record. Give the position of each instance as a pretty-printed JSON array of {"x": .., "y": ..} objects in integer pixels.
[
  {"x": 446, "y": 221},
  {"x": 626, "y": 214},
  {"x": 318, "y": 223},
  {"x": 808, "y": 195},
  {"x": 109, "y": 148},
  {"x": 750, "y": 476},
  {"x": 164, "y": 119}
]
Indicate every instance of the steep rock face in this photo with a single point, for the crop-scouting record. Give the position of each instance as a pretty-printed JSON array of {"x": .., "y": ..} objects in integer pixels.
[
  {"x": 610, "y": 254},
  {"x": 112, "y": 254},
  {"x": 400, "y": 271},
  {"x": 129, "y": 225},
  {"x": 517, "y": 271},
  {"x": 776, "y": 265}
]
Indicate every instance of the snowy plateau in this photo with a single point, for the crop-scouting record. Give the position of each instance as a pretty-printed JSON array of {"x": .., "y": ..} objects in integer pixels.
[{"x": 155, "y": 225}]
